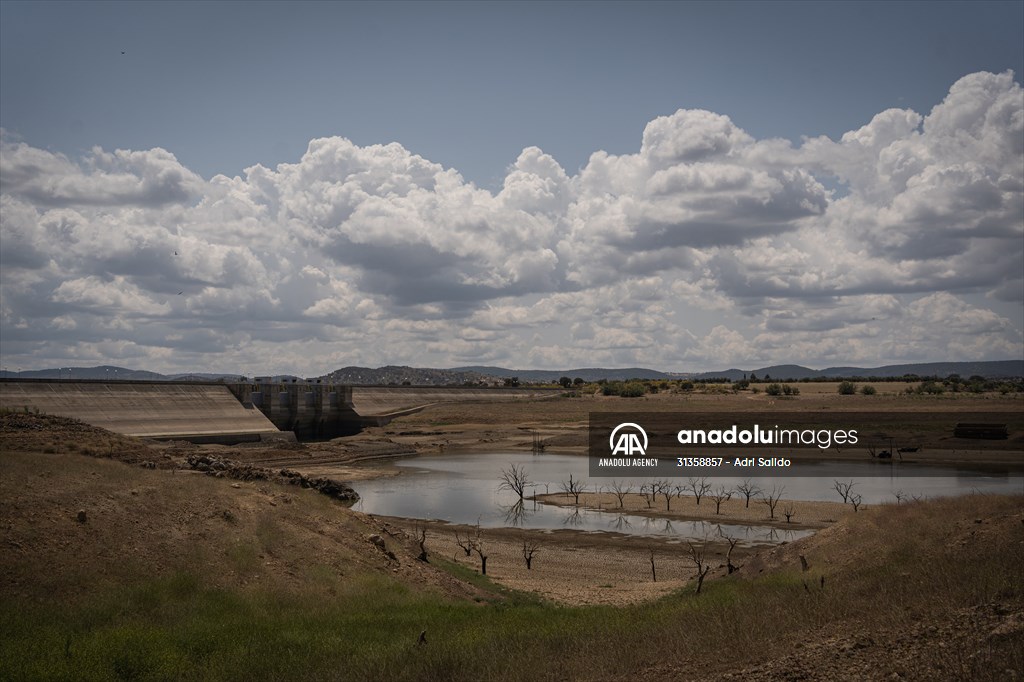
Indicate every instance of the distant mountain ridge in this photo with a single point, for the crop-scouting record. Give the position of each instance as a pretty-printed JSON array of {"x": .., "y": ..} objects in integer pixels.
[
  {"x": 398, "y": 374},
  {"x": 990, "y": 369},
  {"x": 111, "y": 373},
  {"x": 551, "y": 376},
  {"x": 420, "y": 376}
]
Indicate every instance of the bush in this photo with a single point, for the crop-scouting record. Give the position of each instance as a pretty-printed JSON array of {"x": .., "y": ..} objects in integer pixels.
[
  {"x": 868, "y": 390},
  {"x": 773, "y": 389},
  {"x": 847, "y": 388},
  {"x": 632, "y": 390}
]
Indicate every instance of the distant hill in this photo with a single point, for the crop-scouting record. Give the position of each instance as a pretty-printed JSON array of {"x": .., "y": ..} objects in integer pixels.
[
  {"x": 398, "y": 375},
  {"x": 995, "y": 369},
  {"x": 458, "y": 376},
  {"x": 111, "y": 372},
  {"x": 102, "y": 372},
  {"x": 552, "y": 376}
]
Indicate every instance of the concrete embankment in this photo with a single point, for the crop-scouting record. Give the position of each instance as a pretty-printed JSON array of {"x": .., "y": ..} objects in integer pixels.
[{"x": 197, "y": 412}]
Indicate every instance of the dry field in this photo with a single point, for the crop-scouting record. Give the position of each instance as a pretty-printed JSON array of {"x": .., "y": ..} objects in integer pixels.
[{"x": 561, "y": 423}]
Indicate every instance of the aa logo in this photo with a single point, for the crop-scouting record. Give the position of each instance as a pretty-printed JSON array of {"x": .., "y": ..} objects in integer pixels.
[{"x": 628, "y": 442}]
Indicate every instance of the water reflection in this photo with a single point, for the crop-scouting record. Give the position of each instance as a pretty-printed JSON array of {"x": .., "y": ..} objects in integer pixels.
[
  {"x": 620, "y": 524},
  {"x": 515, "y": 513},
  {"x": 464, "y": 489}
]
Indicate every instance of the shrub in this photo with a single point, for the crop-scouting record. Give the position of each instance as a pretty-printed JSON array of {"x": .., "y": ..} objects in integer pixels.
[
  {"x": 632, "y": 390},
  {"x": 773, "y": 389},
  {"x": 847, "y": 388},
  {"x": 868, "y": 390}
]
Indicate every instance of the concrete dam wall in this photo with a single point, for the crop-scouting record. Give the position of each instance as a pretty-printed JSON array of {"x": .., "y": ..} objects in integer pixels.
[
  {"x": 236, "y": 412},
  {"x": 198, "y": 412}
]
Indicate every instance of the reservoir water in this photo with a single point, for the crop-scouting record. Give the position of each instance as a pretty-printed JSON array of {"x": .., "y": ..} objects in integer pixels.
[{"x": 463, "y": 488}]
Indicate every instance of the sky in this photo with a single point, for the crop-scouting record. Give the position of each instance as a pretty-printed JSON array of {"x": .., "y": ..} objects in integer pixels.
[{"x": 293, "y": 188}]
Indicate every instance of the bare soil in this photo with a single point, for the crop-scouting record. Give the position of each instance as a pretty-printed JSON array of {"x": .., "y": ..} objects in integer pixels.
[{"x": 73, "y": 520}]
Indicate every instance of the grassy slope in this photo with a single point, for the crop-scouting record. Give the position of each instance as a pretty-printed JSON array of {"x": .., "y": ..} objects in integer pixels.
[{"x": 188, "y": 577}]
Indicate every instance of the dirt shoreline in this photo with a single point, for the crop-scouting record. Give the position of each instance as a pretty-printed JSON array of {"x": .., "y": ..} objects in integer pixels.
[
  {"x": 573, "y": 567},
  {"x": 804, "y": 514}
]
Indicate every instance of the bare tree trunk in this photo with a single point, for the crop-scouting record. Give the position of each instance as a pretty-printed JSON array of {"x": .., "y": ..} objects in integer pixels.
[
  {"x": 697, "y": 556},
  {"x": 421, "y": 538},
  {"x": 728, "y": 557}
]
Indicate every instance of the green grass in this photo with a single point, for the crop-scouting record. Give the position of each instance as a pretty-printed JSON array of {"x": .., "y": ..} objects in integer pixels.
[
  {"x": 175, "y": 628},
  {"x": 366, "y": 625}
]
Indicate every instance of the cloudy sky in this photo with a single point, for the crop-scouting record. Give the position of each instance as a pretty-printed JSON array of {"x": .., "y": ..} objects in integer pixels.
[{"x": 684, "y": 186}]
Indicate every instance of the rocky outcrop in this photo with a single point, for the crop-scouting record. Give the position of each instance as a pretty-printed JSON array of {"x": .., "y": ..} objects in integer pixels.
[{"x": 228, "y": 468}]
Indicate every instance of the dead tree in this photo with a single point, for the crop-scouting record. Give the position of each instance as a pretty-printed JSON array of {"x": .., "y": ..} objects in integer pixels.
[
  {"x": 788, "y": 512},
  {"x": 621, "y": 491},
  {"x": 466, "y": 543},
  {"x": 530, "y": 547},
  {"x": 699, "y": 486},
  {"x": 728, "y": 557},
  {"x": 855, "y": 500},
  {"x": 478, "y": 547},
  {"x": 514, "y": 478},
  {"x": 420, "y": 534},
  {"x": 574, "y": 488},
  {"x": 844, "y": 489},
  {"x": 650, "y": 491},
  {"x": 771, "y": 499},
  {"x": 668, "y": 492},
  {"x": 748, "y": 490},
  {"x": 720, "y": 495},
  {"x": 697, "y": 557}
]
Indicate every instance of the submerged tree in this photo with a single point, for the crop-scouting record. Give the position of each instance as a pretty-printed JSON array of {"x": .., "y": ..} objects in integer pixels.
[
  {"x": 515, "y": 479},
  {"x": 574, "y": 488}
]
